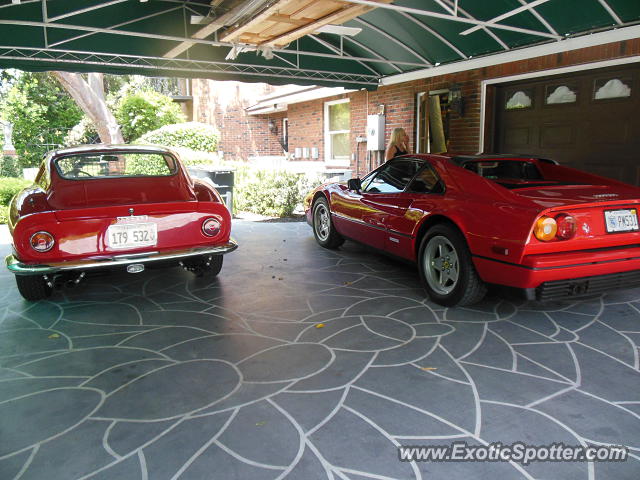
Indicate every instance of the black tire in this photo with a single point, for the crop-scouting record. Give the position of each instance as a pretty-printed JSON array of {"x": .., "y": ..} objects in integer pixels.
[
  {"x": 209, "y": 265},
  {"x": 446, "y": 269},
  {"x": 33, "y": 287},
  {"x": 323, "y": 228}
]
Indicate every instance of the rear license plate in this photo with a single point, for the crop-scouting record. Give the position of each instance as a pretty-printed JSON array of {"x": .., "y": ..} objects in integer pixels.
[
  {"x": 621, "y": 220},
  {"x": 131, "y": 235}
]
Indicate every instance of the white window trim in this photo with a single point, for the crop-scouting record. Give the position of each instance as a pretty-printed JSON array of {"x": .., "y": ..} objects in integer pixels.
[
  {"x": 419, "y": 96},
  {"x": 331, "y": 162},
  {"x": 285, "y": 131}
]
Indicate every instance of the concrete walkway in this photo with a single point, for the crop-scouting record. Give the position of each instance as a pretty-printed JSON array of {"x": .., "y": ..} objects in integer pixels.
[{"x": 304, "y": 363}]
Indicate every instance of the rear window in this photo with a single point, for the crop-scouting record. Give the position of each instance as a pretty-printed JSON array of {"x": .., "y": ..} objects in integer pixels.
[
  {"x": 504, "y": 170},
  {"x": 113, "y": 165}
]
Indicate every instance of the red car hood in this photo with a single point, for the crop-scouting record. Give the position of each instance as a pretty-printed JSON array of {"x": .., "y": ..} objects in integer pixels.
[{"x": 562, "y": 195}]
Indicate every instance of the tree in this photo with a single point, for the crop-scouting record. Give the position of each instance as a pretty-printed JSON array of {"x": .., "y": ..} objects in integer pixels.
[
  {"x": 89, "y": 95},
  {"x": 41, "y": 113}
]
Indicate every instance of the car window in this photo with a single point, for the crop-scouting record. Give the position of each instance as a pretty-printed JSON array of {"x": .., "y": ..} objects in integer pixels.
[
  {"x": 364, "y": 183},
  {"x": 426, "y": 181},
  {"x": 115, "y": 164},
  {"x": 393, "y": 177},
  {"x": 504, "y": 169}
]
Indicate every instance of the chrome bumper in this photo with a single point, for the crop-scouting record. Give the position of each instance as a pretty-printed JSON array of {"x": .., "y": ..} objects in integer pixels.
[{"x": 19, "y": 268}]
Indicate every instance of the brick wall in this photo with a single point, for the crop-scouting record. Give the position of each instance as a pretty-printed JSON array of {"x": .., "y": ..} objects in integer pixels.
[
  {"x": 222, "y": 104},
  {"x": 306, "y": 127},
  {"x": 243, "y": 135}
]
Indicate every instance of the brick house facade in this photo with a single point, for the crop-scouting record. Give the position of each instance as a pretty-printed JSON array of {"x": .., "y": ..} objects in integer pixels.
[
  {"x": 246, "y": 135},
  {"x": 223, "y": 104}
]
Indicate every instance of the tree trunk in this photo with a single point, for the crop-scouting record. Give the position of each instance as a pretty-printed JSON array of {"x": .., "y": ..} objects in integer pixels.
[{"x": 90, "y": 98}]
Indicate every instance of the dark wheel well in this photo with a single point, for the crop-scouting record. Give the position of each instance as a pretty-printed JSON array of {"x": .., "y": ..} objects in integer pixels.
[
  {"x": 318, "y": 195},
  {"x": 430, "y": 222}
]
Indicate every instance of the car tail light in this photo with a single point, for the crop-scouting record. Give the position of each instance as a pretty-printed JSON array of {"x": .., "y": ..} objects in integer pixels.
[
  {"x": 545, "y": 229},
  {"x": 42, "y": 241},
  {"x": 211, "y": 227},
  {"x": 566, "y": 226}
]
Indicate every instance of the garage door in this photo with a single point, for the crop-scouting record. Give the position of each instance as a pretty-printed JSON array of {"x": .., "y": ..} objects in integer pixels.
[{"x": 589, "y": 121}]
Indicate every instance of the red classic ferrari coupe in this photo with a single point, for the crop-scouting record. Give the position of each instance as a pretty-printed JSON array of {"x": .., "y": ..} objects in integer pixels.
[
  {"x": 468, "y": 221},
  {"x": 109, "y": 207}
]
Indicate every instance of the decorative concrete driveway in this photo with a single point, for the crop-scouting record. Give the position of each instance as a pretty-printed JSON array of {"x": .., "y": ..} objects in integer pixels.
[{"x": 304, "y": 363}]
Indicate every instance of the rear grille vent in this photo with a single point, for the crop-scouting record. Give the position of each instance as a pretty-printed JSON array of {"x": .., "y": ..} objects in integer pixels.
[{"x": 578, "y": 287}]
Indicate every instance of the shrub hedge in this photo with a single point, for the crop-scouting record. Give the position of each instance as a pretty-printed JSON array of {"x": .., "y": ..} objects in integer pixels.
[
  {"x": 193, "y": 141},
  {"x": 4, "y": 215},
  {"x": 199, "y": 137},
  {"x": 10, "y": 186},
  {"x": 275, "y": 193},
  {"x": 145, "y": 111},
  {"x": 10, "y": 166}
]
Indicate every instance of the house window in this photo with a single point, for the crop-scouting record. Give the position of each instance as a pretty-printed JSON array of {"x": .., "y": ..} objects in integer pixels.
[{"x": 337, "y": 132}]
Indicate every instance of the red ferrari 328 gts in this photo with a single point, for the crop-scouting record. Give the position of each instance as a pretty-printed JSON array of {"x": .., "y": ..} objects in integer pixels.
[
  {"x": 113, "y": 207},
  {"x": 468, "y": 221}
]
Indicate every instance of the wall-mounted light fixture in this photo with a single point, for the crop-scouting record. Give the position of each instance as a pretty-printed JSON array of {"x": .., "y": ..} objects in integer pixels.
[{"x": 456, "y": 100}]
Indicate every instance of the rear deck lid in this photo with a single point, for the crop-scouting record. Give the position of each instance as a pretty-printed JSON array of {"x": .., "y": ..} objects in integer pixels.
[{"x": 551, "y": 196}]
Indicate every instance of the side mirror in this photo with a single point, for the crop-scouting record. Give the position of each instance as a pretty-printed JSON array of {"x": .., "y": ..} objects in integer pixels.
[{"x": 354, "y": 184}]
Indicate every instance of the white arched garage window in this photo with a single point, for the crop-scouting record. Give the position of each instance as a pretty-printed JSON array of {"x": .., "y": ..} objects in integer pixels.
[{"x": 337, "y": 132}]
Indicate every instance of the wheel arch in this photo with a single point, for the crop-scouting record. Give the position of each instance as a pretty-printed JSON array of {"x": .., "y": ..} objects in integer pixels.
[
  {"x": 319, "y": 194},
  {"x": 429, "y": 222}
]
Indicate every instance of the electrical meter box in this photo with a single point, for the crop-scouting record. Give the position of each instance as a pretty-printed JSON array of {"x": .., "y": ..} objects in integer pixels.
[{"x": 375, "y": 132}]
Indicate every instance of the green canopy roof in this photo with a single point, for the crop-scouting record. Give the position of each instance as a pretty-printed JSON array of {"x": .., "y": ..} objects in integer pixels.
[{"x": 132, "y": 36}]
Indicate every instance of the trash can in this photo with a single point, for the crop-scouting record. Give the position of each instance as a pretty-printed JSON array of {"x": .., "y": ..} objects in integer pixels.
[{"x": 221, "y": 178}]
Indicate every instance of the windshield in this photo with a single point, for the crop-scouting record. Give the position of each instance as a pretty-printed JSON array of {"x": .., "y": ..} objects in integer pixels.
[{"x": 115, "y": 164}]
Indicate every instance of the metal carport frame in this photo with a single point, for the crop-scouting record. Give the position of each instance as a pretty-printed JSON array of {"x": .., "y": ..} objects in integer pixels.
[{"x": 157, "y": 38}]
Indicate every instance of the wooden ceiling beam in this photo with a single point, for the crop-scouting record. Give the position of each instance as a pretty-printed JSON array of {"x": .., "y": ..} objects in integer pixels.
[
  {"x": 341, "y": 16},
  {"x": 232, "y": 34},
  {"x": 289, "y": 19},
  {"x": 306, "y": 16}
]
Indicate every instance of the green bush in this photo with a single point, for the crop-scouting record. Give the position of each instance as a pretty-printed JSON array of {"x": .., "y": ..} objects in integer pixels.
[
  {"x": 193, "y": 141},
  {"x": 153, "y": 165},
  {"x": 4, "y": 214},
  {"x": 199, "y": 137},
  {"x": 275, "y": 193},
  {"x": 144, "y": 111},
  {"x": 10, "y": 186},
  {"x": 10, "y": 166}
]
